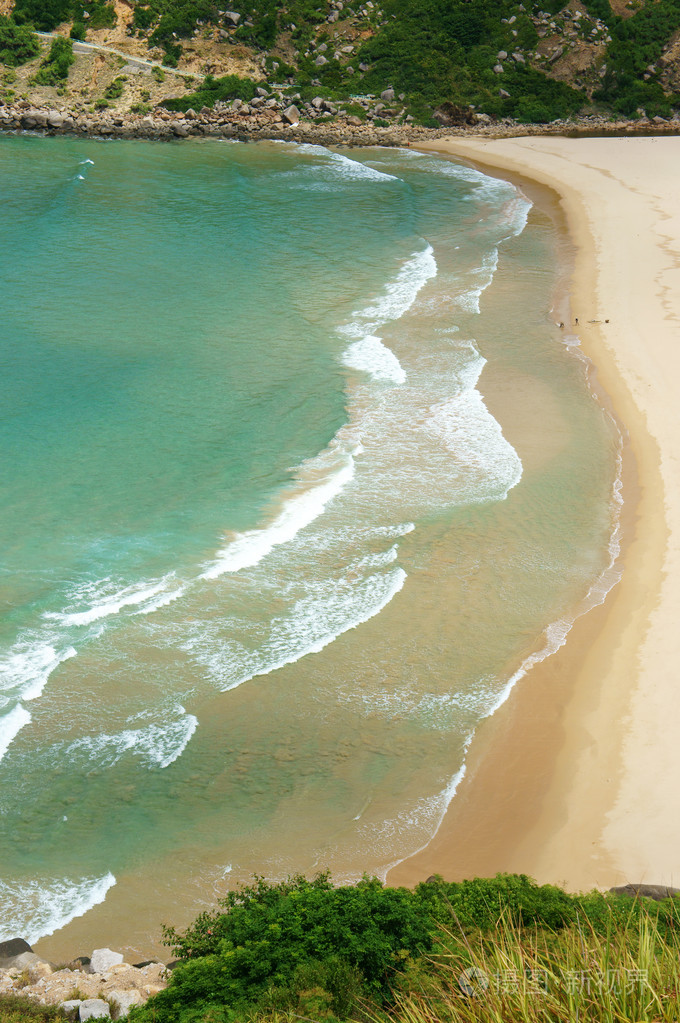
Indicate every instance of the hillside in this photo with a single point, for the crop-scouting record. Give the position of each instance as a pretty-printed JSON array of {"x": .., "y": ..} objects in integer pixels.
[{"x": 429, "y": 62}]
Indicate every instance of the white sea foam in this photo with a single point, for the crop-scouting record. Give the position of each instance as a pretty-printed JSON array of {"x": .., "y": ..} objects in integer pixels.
[
  {"x": 84, "y": 162},
  {"x": 314, "y": 621},
  {"x": 40, "y": 907},
  {"x": 344, "y": 167},
  {"x": 482, "y": 277},
  {"x": 319, "y": 481},
  {"x": 106, "y": 599},
  {"x": 371, "y": 356},
  {"x": 10, "y": 726},
  {"x": 398, "y": 296},
  {"x": 488, "y": 466},
  {"x": 26, "y": 667},
  {"x": 157, "y": 746}
]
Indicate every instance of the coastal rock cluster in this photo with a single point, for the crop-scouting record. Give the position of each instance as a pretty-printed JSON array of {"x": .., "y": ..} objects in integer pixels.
[
  {"x": 101, "y": 985},
  {"x": 246, "y": 122}
]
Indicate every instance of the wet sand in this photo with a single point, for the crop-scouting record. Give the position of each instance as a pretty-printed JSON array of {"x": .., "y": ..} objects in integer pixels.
[{"x": 574, "y": 780}]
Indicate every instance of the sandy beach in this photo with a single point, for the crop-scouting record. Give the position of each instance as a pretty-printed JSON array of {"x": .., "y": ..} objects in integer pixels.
[{"x": 574, "y": 780}]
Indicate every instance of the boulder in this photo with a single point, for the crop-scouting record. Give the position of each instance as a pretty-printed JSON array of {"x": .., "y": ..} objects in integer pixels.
[
  {"x": 124, "y": 1000},
  {"x": 646, "y": 891},
  {"x": 291, "y": 115},
  {"x": 94, "y": 1008},
  {"x": 449, "y": 114},
  {"x": 24, "y": 961},
  {"x": 320, "y": 61},
  {"x": 387, "y": 96},
  {"x": 233, "y": 16},
  {"x": 71, "y": 1007},
  {"x": 55, "y": 119},
  {"x": 103, "y": 959},
  {"x": 13, "y": 947}
]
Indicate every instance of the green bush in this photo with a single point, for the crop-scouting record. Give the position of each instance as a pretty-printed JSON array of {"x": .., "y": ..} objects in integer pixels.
[
  {"x": 18, "y": 44},
  {"x": 115, "y": 89},
  {"x": 44, "y": 15},
  {"x": 213, "y": 90},
  {"x": 55, "y": 69},
  {"x": 78, "y": 30}
]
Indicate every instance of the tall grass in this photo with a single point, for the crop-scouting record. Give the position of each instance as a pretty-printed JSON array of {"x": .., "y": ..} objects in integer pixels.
[{"x": 627, "y": 971}]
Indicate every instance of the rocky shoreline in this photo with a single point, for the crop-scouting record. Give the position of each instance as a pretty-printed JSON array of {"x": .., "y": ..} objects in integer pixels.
[
  {"x": 241, "y": 122},
  {"x": 98, "y": 986}
]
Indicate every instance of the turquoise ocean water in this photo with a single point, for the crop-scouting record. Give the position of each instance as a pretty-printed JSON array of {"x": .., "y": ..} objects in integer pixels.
[{"x": 267, "y": 555}]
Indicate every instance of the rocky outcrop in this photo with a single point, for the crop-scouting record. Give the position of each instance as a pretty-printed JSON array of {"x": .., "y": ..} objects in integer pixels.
[
  {"x": 318, "y": 121},
  {"x": 90, "y": 987},
  {"x": 646, "y": 891}
]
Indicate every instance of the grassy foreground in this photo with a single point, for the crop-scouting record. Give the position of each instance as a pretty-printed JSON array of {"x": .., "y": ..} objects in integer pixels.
[{"x": 501, "y": 949}]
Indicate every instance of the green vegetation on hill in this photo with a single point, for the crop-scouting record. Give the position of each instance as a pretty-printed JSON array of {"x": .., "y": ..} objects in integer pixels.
[
  {"x": 275, "y": 952},
  {"x": 18, "y": 44},
  {"x": 54, "y": 69},
  {"x": 46, "y": 15},
  {"x": 214, "y": 90}
]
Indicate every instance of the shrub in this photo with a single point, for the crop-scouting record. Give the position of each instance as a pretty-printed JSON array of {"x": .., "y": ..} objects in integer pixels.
[
  {"x": 18, "y": 44},
  {"x": 55, "y": 69},
  {"x": 214, "y": 90},
  {"x": 78, "y": 30}
]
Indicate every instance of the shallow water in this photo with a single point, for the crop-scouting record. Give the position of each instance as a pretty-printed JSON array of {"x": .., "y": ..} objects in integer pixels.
[{"x": 267, "y": 556}]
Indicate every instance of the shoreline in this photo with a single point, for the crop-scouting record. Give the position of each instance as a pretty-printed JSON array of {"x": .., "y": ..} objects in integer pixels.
[
  {"x": 160, "y": 124},
  {"x": 558, "y": 780},
  {"x": 504, "y": 735}
]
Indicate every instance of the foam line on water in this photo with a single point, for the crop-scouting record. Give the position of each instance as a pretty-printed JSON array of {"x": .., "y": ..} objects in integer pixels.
[
  {"x": 34, "y": 909},
  {"x": 315, "y": 621},
  {"x": 468, "y": 300},
  {"x": 398, "y": 296},
  {"x": 319, "y": 481},
  {"x": 157, "y": 746},
  {"x": 345, "y": 167},
  {"x": 487, "y": 462},
  {"x": 106, "y": 599},
  {"x": 10, "y": 726},
  {"x": 26, "y": 667},
  {"x": 371, "y": 356}
]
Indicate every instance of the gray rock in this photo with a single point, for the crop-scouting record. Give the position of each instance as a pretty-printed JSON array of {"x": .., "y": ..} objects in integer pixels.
[
  {"x": 104, "y": 958},
  {"x": 94, "y": 1008},
  {"x": 55, "y": 119},
  {"x": 333, "y": 16},
  {"x": 503, "y": 94},
  {"x": 498, "y": 68},
  {"x": 322, "y": 48},
  {"x": 291, "y": 115},
  {"x": 181, "y": 131},
  {"x": 518, "y": 58},
  {"x": 387, "y": 95},
  {"x": 71, "y": 1007},
  {"x": 233, "y": 16},
  {"x": 502, "y": 55},
  {"x": 647, "y": 891},
  {"x": 364, "y": 67},
  {"x": 262, "y": 92},
  {"x": 24, "y": 961},
  {"x": 124, "y": 1000},
  {"x": 320, "y": 61},
  {"x": 317, "y": 102},
  {"x": 13, "y": 947}
]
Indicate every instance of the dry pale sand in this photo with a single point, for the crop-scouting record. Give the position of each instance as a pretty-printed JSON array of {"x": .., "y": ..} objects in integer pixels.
[{"x": 577, "y": 778}]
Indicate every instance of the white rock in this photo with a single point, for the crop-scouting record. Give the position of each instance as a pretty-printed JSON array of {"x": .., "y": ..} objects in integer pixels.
[
  {"x": 124, "y": 1000},
  {"x": 93, "y": 1008},
  {"x": 103, "y": 959}
]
